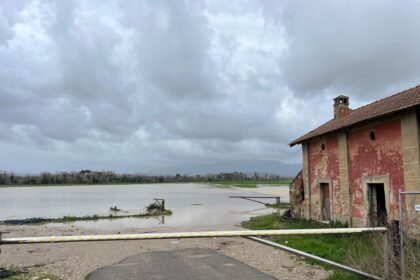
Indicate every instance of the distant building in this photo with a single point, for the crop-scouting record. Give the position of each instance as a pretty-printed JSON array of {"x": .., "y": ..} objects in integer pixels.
[{"x": 355, "y": 164}]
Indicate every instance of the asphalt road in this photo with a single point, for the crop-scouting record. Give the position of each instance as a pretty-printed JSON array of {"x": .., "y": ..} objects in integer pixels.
[{"x": 203, "y": 264}]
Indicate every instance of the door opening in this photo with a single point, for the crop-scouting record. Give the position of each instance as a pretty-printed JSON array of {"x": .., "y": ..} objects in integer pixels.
[
  {"x": 377, "y": 205},
  {"x": 325, "y": 201}
]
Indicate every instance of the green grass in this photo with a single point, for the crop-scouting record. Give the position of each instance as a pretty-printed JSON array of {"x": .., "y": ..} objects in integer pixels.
[
  {"x": 69, "y": 219},
  {"x": 278, "y": 206},
  {"x": 248, "y": 184},
  {"x": 332, "y": 247}
]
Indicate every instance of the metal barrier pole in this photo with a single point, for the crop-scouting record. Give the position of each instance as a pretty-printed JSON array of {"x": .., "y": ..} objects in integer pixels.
[
  {"x": 199, "y": 234},
  {"x": 312, "y": 257}
]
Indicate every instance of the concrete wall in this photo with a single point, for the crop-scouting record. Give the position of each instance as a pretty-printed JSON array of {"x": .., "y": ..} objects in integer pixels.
[
  {"x": 343, "y": 160},
  {"x": 305, "y": 172},
  {"x": 411, "y": 153},
  {"x": 410, "y": 146}
]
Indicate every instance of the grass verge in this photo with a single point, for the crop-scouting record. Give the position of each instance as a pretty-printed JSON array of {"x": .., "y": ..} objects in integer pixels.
[
  {"x": 20, "y": 274},
  {"x": 345, "y": 249},
  {"x": 278, "y": 206}
]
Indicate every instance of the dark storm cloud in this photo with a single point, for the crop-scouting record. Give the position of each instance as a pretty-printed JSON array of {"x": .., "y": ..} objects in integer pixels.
[
  {"x": 137, "y": 85},
  {"x": 366, "y": 48}
]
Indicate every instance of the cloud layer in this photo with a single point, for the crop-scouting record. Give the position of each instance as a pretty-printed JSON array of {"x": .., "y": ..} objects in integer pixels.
[{"x": 139, "y": 85}]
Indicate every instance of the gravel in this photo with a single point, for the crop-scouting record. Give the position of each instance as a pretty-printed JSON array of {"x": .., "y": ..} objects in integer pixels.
[{"x": 76, "y": 260}]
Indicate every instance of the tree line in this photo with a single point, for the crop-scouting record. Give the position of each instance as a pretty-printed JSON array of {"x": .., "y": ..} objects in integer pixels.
[{"x": 111, "y": 177}]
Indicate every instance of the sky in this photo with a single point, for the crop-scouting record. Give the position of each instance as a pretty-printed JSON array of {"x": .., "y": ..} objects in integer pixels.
[{"x": 139, "y": 86}]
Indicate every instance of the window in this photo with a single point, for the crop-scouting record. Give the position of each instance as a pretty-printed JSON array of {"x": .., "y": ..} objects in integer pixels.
[{"x": 372, "y": 135}]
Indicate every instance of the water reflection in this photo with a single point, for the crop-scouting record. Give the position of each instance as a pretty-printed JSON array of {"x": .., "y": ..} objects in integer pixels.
[{"x": 192, "y": 204}]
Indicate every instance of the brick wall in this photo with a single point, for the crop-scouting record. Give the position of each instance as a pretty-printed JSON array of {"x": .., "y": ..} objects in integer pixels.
[{"x": 324, "y": 168}]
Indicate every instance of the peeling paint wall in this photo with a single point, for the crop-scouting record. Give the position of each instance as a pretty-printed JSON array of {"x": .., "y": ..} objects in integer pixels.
[
  {"x": 350, "y": 159},
  {"x": 324, "y": 168},
  {"x": 375, "y": 158}
]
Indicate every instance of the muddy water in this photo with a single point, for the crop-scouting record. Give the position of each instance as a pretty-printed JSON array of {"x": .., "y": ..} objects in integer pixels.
[{"x": 192, "y": 204}]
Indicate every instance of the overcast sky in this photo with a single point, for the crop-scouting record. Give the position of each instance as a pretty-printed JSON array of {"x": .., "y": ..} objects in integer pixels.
[{"x": 135, "y": 86}]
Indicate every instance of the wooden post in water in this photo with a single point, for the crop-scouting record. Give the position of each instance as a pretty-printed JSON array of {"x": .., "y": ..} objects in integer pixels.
[{"x": 161, "y": 203}]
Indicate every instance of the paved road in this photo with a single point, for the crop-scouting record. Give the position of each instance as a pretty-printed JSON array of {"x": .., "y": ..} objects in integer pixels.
[{"x": 203, "y": 264}]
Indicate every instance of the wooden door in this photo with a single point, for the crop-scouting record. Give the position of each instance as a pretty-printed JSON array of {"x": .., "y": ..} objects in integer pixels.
[{"x": 326, "y": 211}]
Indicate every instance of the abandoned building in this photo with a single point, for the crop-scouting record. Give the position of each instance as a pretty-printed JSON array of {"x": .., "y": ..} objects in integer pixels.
[{"x": 355, "y": 164}]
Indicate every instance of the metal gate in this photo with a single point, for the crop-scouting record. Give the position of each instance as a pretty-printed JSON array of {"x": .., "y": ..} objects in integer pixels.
[{"x": 409, "y": 232}]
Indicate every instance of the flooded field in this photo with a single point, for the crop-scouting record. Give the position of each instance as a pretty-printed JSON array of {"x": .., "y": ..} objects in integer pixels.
[{"x": 192, "y": 204}]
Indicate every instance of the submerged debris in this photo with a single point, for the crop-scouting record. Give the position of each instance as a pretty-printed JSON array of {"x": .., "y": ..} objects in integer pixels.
[
  {"x": 68, "y": 219},
  {"x": 153, "y": 206},
  {"x": 24, "y": 221},
  {"x": 154, "y": 209}
]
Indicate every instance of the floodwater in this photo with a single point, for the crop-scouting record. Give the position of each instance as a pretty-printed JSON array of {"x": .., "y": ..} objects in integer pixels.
[{"x": 192, "y": 204}]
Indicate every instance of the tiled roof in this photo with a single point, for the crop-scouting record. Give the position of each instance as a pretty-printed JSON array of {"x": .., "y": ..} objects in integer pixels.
[{"x": 400, "y": 101}]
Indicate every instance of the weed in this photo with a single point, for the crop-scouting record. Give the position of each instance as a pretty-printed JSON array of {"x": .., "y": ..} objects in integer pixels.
[
  {"x": 341, "y": 248},
  {"x": 21, "y": 274}
]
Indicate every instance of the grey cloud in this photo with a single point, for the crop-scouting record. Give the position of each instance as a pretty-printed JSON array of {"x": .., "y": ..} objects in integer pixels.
[
  {"x": 9, "y": 16},
  {"x": 364, "y": 48},
  {"x": 6, "y": 33},
  {"x": 137, "y": 85},
  {"x": 172, "y": 45}
]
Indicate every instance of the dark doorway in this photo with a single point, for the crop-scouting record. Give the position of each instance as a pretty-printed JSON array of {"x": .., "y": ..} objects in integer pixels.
[
  {"x": 377, "y": 205},
  {"x": 325, "y": 201}
]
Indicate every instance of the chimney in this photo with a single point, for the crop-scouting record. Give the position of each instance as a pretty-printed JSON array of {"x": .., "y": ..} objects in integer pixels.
[{"x": 341, "y": 106}]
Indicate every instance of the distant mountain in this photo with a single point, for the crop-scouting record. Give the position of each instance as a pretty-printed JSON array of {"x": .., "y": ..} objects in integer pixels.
[{"x": 245, "y": 166}]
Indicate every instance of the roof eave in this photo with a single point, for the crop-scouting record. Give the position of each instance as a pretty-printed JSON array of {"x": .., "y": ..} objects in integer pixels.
[
  {"x": 302, "y": 139},
  {"x": 291, "y": 144}
]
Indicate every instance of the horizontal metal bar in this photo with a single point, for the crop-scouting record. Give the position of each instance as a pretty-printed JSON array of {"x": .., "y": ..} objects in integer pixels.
[
  {"x": 312, "y": 257},
  {"x": 142, "y": 236},
  {"x": 250, "y": 199}
]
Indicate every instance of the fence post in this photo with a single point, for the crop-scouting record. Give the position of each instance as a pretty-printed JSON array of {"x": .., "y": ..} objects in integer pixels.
[
  {"x": 278, "y": 200},
  {"x": 402, "y": 265},
  {"x": 386, "y": 255}
]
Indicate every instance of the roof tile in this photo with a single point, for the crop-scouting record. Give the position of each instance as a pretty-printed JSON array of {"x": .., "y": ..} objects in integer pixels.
[{"x": 400, "y": 101}]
